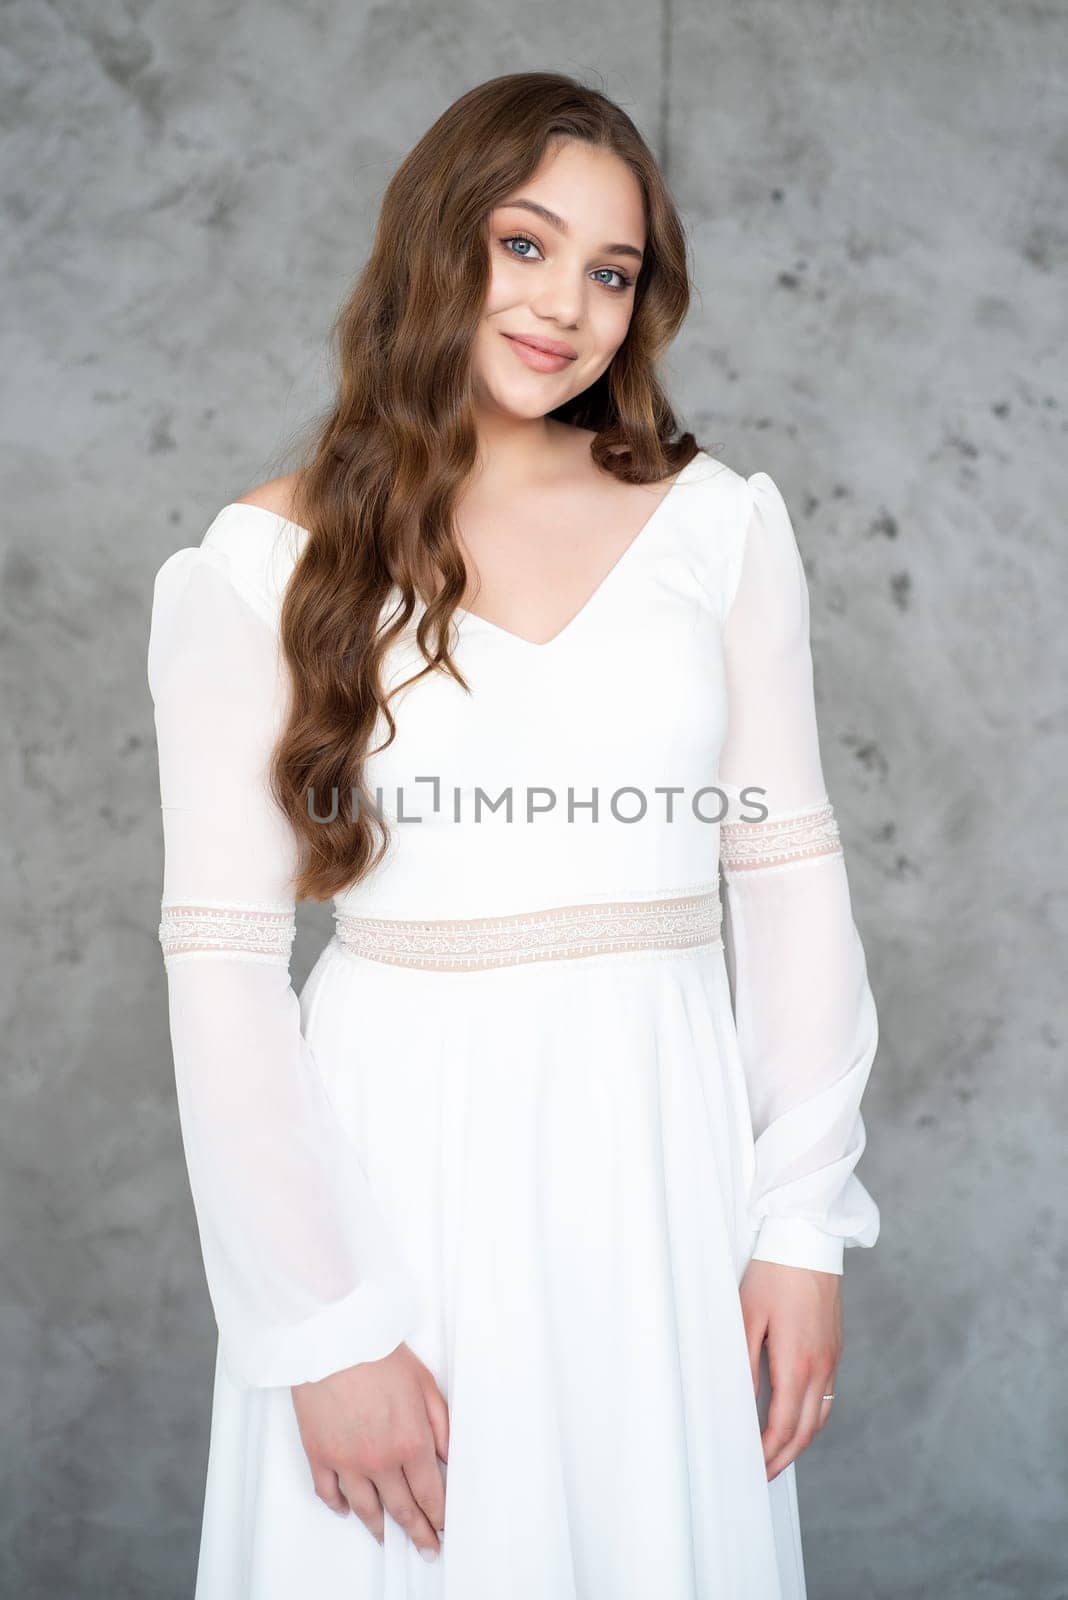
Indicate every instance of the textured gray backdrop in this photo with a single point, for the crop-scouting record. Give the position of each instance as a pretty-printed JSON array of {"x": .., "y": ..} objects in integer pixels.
[{"x": 876, "y": 201}]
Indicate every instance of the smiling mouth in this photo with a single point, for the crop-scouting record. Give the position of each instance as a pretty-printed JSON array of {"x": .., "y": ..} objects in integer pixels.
[
  {"x": 537, "y": 355},
  {"x": 552, "y": 347}
]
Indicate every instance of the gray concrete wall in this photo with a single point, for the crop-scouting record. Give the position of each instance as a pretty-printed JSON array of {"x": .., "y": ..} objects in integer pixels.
[{"x": 876, "y": 200}]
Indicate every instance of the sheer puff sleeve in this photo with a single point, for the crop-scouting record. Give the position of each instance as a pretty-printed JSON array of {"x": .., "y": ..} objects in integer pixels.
[
  {"x": 804, "y": 1012},
  {"x": 303, "y": 1275}
]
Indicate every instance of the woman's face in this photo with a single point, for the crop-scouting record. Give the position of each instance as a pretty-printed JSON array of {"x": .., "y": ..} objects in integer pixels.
[{"x": 564, "y": 273}]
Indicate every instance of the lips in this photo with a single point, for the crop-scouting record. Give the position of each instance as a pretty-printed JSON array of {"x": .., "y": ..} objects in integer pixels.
[{"x": 549, "y": 347}]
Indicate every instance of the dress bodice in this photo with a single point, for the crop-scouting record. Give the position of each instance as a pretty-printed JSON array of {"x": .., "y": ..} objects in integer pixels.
[{"x": 582, "y": 769}]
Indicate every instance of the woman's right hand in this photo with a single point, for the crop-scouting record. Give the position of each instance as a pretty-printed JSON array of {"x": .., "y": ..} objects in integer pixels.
[{"x": 372, "y": 1433}]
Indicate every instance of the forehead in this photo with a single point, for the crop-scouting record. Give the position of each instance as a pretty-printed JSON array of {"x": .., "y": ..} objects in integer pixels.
[{"x": 584, "y": 192}]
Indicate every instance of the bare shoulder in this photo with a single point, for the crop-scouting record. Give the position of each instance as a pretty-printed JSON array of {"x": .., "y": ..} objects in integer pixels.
[{"x": 276, "y": 495}]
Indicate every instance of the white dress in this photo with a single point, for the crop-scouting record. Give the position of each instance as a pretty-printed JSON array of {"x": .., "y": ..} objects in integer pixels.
[{"x": 540, "y": 1149}]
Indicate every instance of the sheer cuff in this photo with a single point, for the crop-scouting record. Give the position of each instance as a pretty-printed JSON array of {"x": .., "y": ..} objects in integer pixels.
[
  {"x": 366, "y": 1326},
  {"x": 793, "y": 1242}
]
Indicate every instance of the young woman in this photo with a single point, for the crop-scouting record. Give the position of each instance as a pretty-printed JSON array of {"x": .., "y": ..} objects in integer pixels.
[{"x": 523, "y": 1233}]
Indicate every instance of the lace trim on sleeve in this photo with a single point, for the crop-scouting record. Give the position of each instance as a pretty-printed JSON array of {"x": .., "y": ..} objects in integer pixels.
[
  {"x": 779, "y": 841},
  {"x": 244, "y": 932}
]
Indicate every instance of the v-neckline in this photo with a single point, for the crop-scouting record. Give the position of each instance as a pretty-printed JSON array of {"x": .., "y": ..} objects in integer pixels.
[{"x": 464, "y": 616}]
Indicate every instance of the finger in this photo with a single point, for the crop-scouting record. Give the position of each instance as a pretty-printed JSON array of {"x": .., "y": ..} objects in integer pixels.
[
  {"x": 806, "y": 1430},
  {"x": 427, "y": 1486},
  {"x": 329, "y": 1490},
  {"x": 438, "y": 1413},
  {"x": 826, "y": 1388},
  {"x": 755, "y": 1342},
  {"x": 362, "y": 1496},
  {"x": 397, "y": 1498},
  {"x": 784, "y": 1412},
  {"x": 755, "y": 1329}
]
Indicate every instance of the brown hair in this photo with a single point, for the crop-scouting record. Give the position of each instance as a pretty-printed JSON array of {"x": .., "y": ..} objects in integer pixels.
[{"x": 382, "y": 474}]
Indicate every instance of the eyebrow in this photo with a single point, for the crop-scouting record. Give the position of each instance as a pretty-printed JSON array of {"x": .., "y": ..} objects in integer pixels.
[{"x": 558, "y": 222}]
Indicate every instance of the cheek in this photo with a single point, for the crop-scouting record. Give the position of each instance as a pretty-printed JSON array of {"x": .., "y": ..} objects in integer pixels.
[
  {"x": 504, "y": 287},
  {"x": 608, "y": 328},
  {"x": 610, "y": 320}
]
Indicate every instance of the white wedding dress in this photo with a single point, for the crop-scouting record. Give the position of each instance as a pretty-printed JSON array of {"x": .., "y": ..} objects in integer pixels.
[{"x": 513, "y": 1117}]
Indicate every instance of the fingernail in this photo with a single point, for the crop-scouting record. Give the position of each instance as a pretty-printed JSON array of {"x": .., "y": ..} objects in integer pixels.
[{"x": 429, "y": 1555}]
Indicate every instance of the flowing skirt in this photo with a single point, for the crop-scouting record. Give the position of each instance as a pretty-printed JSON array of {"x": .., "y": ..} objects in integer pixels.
[{"x": 564, "y": 1149}]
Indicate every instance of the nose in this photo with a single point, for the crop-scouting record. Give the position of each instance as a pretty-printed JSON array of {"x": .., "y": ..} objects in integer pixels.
[{"x": 561, "y": 296}]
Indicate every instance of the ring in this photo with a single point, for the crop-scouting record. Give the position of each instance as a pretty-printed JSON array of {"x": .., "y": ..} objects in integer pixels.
[{"x": 828, "y": 1396}]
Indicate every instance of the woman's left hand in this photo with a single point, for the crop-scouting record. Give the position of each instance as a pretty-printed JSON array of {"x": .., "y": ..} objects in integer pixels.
[{"x": 799, "y": 1313}]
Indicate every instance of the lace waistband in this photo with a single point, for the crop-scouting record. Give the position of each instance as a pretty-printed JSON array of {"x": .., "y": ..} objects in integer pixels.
[{"x": 682, "y": 922}]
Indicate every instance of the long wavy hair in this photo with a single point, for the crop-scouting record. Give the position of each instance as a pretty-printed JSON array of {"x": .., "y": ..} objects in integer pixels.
[{"x": 385, "y": 466}]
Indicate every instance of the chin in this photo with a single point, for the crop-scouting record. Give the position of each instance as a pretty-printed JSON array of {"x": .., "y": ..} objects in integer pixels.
[{"x": 524, "y": 401}]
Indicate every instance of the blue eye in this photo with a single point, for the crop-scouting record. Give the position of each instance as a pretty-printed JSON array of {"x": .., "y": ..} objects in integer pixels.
[
  {"x": 624, "y": 282},
  {"x": 522, "y": 238},
  {"x": 519, "y": 238}
]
